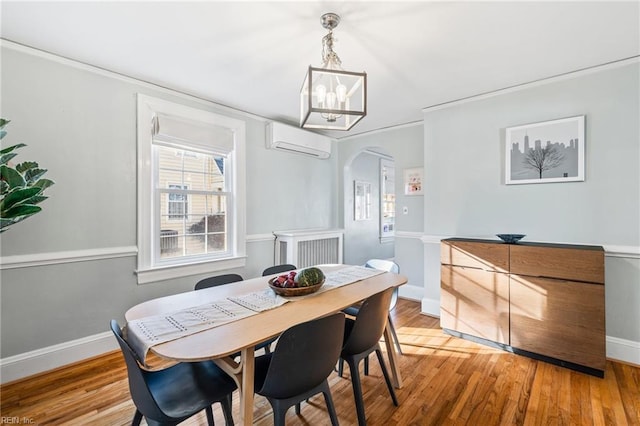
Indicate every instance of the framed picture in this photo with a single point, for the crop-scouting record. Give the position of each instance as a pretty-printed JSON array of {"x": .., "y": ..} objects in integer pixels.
[
  {"x": 413, "y": 181},
  {"x": 549, "y": 151}
]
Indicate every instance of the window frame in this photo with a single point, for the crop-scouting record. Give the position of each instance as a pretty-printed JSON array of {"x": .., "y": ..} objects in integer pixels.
[{"x": 149, "y": 269}]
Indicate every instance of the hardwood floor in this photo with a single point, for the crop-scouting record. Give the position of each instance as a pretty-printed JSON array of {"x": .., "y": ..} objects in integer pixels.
[{"x": 447, "y": 381}]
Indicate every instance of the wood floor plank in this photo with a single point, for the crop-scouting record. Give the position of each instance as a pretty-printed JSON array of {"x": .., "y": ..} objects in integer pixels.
[{"x": 447, "y": 381}]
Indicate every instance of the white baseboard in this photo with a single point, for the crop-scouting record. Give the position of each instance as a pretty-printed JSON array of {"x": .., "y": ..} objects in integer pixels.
[
  {"x": 411, "y": 292},
  {"x": 34, "y": 362},
  {"x": 431, "y": 307},
  {"x": 623, "y": 350}
]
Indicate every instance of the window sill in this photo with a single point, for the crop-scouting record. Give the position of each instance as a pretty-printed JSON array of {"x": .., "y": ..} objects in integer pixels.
[{"x": 151, "y": 275}]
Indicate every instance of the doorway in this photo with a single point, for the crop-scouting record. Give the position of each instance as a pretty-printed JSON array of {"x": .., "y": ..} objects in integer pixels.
[{"x": 369, "y": 207}]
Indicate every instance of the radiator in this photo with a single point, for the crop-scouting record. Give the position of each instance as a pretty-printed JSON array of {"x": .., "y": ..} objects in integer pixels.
[{"x": 309, "y": 247}]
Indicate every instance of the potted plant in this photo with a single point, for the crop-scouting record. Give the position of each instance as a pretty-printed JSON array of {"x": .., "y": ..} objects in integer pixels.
[{"x": 21, "y": 187}]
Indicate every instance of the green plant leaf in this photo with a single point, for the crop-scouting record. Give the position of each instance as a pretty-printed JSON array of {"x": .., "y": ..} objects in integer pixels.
[
  {"x": 18, "y": 196},
  {"x": 4, "y": 122},
  {"x": 36, "y": 199},
  {"x": 3, "y": 133},
  {"x": 21, "y": 210},
  {"x": 12, "y": 148},
  {"x": 4, "y": 158},
  {"x": 27, "y": 165},
  {"x": 4, "y": 187},
  {"x": 44, "y": 183},
  {"x": 32, "y": 175},
  {"x": 12, "y": 177}
]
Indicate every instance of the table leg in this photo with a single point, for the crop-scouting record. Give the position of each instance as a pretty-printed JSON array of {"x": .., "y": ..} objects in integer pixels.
[
  {"x": 246, "y": 388},
  {"x": 391, "y": 354},
  {"x": 242, "y": 373}
]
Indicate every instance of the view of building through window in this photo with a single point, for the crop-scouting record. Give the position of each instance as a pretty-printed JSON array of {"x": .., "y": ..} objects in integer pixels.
[{"x": 192, "y": 202}]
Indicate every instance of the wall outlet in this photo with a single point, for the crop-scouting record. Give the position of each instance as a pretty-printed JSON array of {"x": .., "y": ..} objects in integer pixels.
[{"x": 405, "y": 210}]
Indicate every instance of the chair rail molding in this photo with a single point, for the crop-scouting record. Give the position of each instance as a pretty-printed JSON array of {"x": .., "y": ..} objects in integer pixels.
[{"x": 59, "y": 257}]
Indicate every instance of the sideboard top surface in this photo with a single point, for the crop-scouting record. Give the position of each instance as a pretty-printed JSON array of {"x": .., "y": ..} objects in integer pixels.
[{"x": 526, "y": 243}]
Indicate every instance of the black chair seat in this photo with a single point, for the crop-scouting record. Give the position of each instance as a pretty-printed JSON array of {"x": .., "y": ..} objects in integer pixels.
[{"x": 172, "y": 395}]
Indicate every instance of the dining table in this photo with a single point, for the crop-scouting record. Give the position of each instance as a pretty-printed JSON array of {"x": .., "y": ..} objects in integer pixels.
[{"x": 220, "y": 342}]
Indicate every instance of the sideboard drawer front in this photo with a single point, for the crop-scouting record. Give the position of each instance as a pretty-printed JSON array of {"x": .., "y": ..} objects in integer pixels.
[
  {"x": 558, "y": 262},
  {"x": 560, "y": 319},
  {"x": 481, "y": 255},
  {"x": 475, "y": 302}
]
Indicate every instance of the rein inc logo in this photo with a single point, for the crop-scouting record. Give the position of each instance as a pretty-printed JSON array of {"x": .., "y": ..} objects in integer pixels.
[{"x": 17, "y": 420}]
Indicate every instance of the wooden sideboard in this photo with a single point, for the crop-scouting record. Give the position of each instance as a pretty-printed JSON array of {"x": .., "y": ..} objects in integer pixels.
[{"x": 545, "y": 301}]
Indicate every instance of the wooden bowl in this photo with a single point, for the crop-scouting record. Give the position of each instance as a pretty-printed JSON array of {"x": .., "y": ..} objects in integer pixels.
[{"x": 294, "y": 291}]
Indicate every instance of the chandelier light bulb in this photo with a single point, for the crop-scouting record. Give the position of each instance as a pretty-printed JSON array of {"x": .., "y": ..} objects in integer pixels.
[
  {"x": 341, "y": 92},
  {"x": 331, "y": 100},
  {"x": 321, "y": 93}
]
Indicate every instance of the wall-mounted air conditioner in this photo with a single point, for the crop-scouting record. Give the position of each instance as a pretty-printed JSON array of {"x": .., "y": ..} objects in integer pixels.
[{"x": 292, "y": 139}]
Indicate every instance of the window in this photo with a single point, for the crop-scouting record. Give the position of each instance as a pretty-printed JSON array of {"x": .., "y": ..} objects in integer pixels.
[{"x": 190, "y": 192}]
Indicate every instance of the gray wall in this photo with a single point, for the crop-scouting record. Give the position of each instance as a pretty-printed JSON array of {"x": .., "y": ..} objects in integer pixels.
[
  {"x": 466, "y": 195},
  {"x": 80, "y": 124}
]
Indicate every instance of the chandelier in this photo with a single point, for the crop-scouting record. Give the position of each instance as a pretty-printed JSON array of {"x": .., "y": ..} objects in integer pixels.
[{"x": 332, "y": 98}]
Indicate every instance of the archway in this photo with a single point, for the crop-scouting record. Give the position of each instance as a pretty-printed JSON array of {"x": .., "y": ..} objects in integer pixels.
[{"x": 369, "y": 206}]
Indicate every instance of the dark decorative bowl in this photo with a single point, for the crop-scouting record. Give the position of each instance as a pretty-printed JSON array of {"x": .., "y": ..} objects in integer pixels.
[
  {"x": 510, "y": 238},
  {"x": 294, "y": 291}
]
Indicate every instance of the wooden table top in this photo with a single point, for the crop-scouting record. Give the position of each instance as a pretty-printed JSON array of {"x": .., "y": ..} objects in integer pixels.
[{"x": 228, "y": 338}]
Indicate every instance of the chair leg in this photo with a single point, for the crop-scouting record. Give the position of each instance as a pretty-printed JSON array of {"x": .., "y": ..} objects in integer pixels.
[
  {"x": 329, "y": 401},
  {"x": 298, "y": 408},
  {"x": 227, "y": 404},
  {"x": 357, "y": 391},
  {"x": 137, "y": 418},
  {"x": 366, "y": 365},
  {"x": 279, "y": 411},
  {"x": 395, "y": 336},
  {"x": 209, "y": 412},
  {"x": 340, "y": 367},
  {"x": 386, "y": 376}
]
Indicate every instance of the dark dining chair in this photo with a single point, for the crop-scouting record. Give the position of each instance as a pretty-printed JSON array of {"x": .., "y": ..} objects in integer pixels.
[
  {"x": 389, "y": 266},
  {"x": 228, "y": 279},
  {"x": 217, "y": 280},
  {"x": 172, "y": 395},
  {"x": 276, "y": 269},
  {"x": 298, "y": 368},
  {"x": 362, "y": 337}
]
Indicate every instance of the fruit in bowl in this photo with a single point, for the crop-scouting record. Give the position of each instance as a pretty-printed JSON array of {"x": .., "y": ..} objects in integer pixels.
[{"x": 298, "y": 283}]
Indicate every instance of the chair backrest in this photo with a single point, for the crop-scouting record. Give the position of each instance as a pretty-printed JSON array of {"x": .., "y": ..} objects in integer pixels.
[
  {"x": 369, "y": 323},
  {"x": 304, "y": 357},
  {"x": 217, "y": 280},
  {"x": 383, "y": 265},
  {"x": 278, "y": 268},
  {"x": 389, "y": 266},
  {"x": 138, "y": 387}
]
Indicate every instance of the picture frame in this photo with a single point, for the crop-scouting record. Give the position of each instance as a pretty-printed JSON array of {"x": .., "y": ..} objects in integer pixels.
[
  {"x": 546, "y": 152},
  {"x": 413, "y": 181}
]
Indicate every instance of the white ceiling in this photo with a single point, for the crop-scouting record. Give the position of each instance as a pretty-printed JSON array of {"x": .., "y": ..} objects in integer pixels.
[{"x": 253, "y": 56}]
